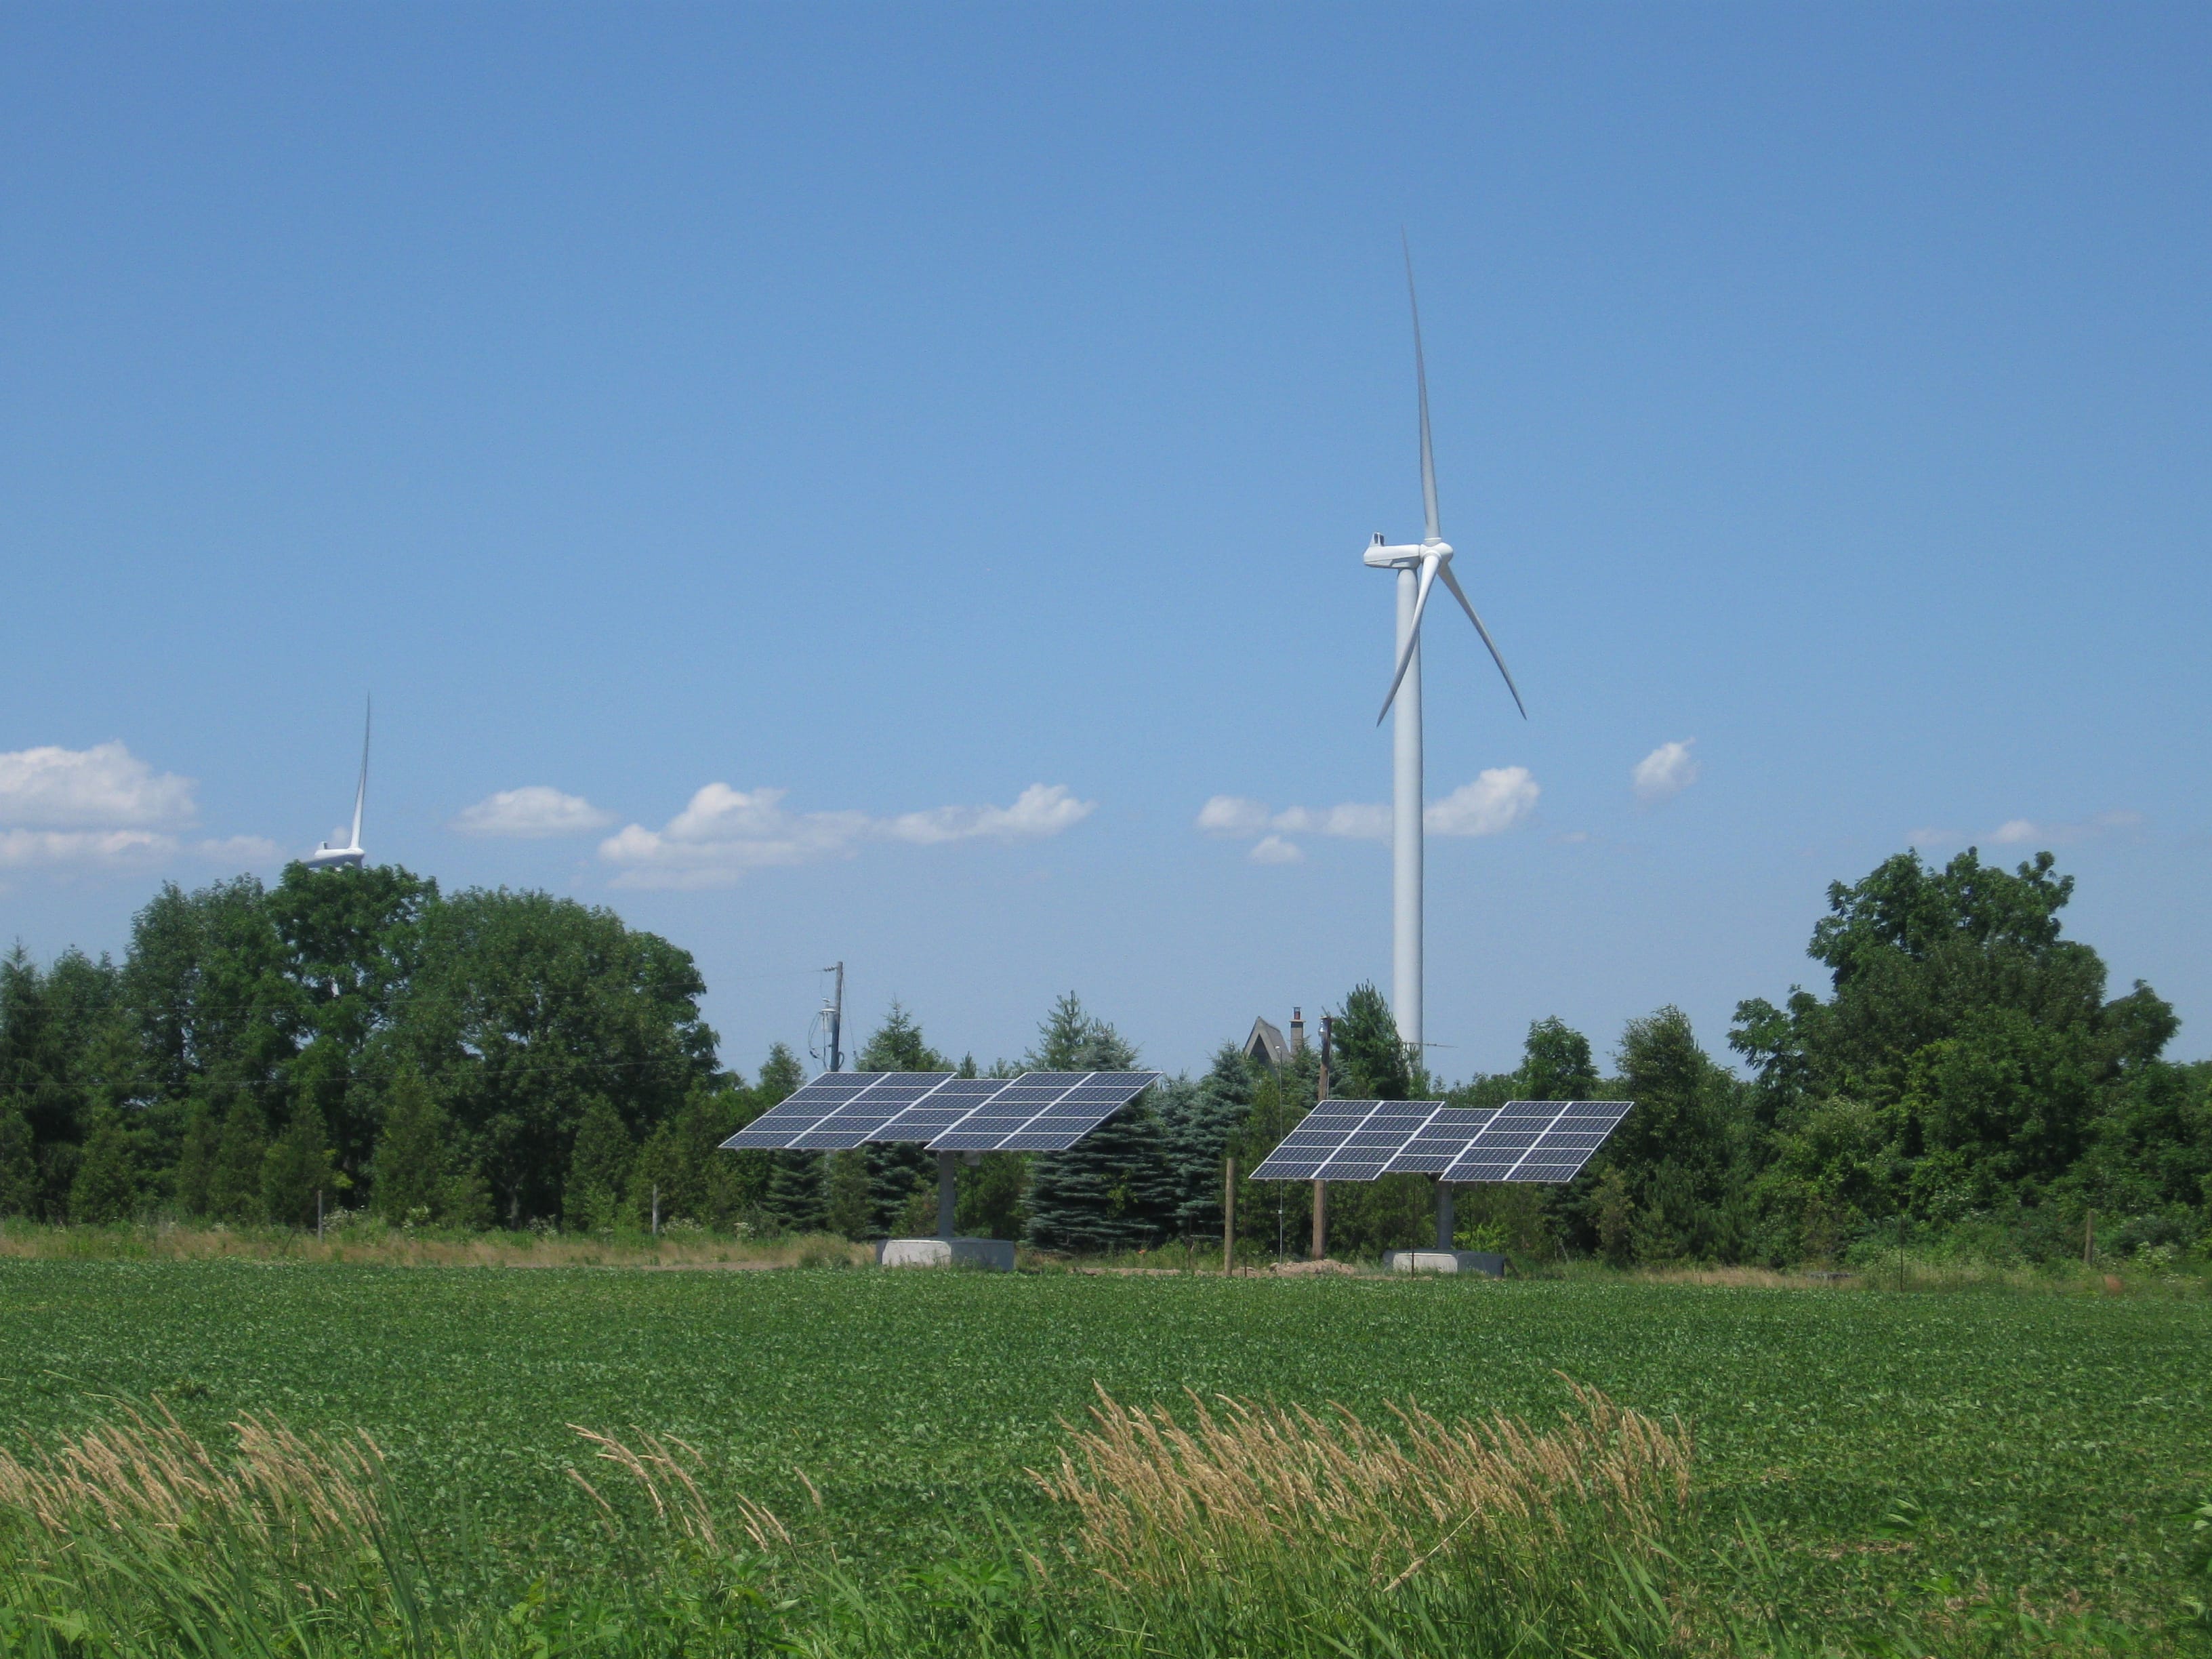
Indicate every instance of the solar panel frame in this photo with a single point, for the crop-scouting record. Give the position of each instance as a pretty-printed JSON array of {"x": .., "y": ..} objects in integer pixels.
[
  {"x": 1537, "y": 1141},
  {"x": 1047, "y": 1111}
]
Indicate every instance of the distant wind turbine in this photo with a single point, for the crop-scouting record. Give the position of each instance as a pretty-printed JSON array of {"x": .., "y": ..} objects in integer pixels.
[
  {"x": 350, "y": 856},
  {"x": 1418, "y": 567}
]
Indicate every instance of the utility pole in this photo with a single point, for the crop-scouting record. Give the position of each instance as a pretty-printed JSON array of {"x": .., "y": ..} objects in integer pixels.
[
  {"x": 1229, "y": 1217},
  {"x": 834, "y": 1013},
  {"x": 1321, "y": 1187}
]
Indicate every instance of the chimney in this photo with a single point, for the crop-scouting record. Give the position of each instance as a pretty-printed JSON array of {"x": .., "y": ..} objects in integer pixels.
[{"x": 1297, "y": 1031}]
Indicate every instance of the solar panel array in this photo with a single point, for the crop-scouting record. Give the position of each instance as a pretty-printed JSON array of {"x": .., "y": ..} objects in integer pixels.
[
  {"x": 1537, "y": 1141},
  {"x": 1037, "y": 1111},
  {"x": 1365, "y": 1139}
]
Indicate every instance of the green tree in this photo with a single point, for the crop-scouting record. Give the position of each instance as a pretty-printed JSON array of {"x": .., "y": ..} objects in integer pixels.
[
  {"x": 18, "y": 1164},
  {"x": 797, "y": 1198},
  {"x": 1114, "y": 1189},
  {"x": 413, "y": 1169},
  {"x": 525, "y": 1008},
  {"x": 107, "y": 1184},
  {"x": 1205, "y": 1123},
  {"x": 598, "y": 1169},
  {"x": 235, "y": 1186},
  {"x": 350, "y": 942},
  {"x": 849, "y": 1201},
  {"x": 196, "y": 1158},
  {"x": 296, "y": 1171},
  {"x": 897, "y": 1170},
  {"x": 1372, "y": 1061},
  {"x": 1556, "y": 1064},
  {"x": 1968, "y": 1047}
]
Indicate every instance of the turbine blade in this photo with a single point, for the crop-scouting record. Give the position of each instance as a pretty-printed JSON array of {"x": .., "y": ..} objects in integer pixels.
[
  {"x": 1430, "y": 566},
  {"x": 1460, "y": 593},
  {"x": 1421, "y": 379},
  {"x": 360, "y": 792}
]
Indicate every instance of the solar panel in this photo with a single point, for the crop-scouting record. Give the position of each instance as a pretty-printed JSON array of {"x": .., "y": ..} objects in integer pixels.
[
  {"x": 1441, "y": 1140},
  {"x": 1537, "y": 1141},
  {"x": 844, "y": 1109},
  {"x": 1043, "y": 1111},
  {"x": 1346, "y": 1140},
  {"x": 1037, "y": 1111}
]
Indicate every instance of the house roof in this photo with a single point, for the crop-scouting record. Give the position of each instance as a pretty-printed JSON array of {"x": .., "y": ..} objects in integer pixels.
[{"x": 1266, "y": 1043}]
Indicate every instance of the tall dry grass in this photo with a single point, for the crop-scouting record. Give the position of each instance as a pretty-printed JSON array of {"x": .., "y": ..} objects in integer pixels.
[{"x": 1313, "y": 1532}]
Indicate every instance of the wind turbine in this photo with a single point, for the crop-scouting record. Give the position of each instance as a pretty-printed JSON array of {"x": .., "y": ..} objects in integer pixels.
[
  {"x": 1418, "y": 567},
  {"x": 350, "y": 856}
]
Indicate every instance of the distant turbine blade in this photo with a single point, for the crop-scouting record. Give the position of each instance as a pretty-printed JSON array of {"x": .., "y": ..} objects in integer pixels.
[
  {"x": 1430, "y": 566},
  {"x": 1460, "y": 593},
  {"x": 360, "y": 792},
  {"x": 1421, "y": 379}
]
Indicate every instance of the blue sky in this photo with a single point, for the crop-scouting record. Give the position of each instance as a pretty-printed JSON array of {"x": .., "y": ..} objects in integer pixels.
[{"x": 967, "y": 422}]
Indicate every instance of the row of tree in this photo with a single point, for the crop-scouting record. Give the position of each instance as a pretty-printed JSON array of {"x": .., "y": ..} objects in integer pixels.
[{"x": 356, "y": 1039}]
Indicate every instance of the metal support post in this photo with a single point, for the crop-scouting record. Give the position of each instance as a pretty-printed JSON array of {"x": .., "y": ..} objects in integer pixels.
[
  {"x": 948, "y": 1164},
  {"x": 1443, "y": 1215}
]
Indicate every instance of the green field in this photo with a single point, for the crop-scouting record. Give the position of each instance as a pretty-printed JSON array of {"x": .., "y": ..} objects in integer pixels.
[{"x": 2039, "y": 1445}]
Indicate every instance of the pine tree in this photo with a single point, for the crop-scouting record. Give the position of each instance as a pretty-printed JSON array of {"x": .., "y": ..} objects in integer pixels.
[
  {"x": 598, "y": 1167},
  {"x": 1113, "y": 1190},
  {"x": 411, "y": 1171},
  {"x": 795, "y": 1197},
  {"x": 19, "y": 1165},
  {"x": 196, "y": 1158},
  {"x": 107, "y": 1184},
  {"x": 235, "y": 1186},
  {"x": 1204, "y": 1121},
  {"x": 297, "y": 1170}
]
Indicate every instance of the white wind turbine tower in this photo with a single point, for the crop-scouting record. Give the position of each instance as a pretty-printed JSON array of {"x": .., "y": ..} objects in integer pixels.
[
  {"x": 1418, "y": 567},
  {"x": 327, "y": 857}
]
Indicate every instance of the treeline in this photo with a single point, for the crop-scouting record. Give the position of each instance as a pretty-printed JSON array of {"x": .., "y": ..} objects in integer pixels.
[{"x": 354, "y": 1040}]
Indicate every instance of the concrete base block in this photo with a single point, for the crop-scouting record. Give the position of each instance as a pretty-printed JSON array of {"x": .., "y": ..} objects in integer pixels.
[
  {"x": 1487, "y": 1263},
  {"x": 995, "y": 1254}
]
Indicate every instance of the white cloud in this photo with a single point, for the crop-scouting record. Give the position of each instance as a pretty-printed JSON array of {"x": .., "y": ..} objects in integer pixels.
[
  {"x": 2014, "y": 831},
  {"x": 1039, "y": 809},
  {"x": 725, "y": 832},
  {"x": 1353, "y": 820},
  {"x": 1665, "y": 773},
  {"x": 106, "y": 849},
  {"x": 531, "y": 813},
  {"x": 1232, "y": 815},
  {"x": 103, "y": 788},
  {"x": 247, "y": 850},
  {"x": 1498, "y": 798}
]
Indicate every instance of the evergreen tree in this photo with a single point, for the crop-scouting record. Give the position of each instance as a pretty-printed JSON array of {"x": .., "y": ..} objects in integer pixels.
[
  {"x": 850, "y": 1207},
  {"x": 1113, "y": 1190},
  {"x": 412, "y": 1169},
  {"x": 598, "y": 1169},
  {"x": 296, "y": 1171},
  {"x": 196, "y": 1159},
  {"x": 796, "y": 1200},
  {"x": 779, "y": 1077},
  {"x": 19, "y": 1165},
  {"x": 107, "y": 1184},
  {"x": 235, "y": 1186},
  {"x": 1373, "y": 1061},
  {"x": 1211, "y": 1120}
]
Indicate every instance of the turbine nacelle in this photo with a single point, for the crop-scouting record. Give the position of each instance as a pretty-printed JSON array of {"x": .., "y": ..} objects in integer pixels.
[
  {"x": 350, "y": 856},
  {"x": 327, "y": 857},
  {"x": 1380, "y": 556}
]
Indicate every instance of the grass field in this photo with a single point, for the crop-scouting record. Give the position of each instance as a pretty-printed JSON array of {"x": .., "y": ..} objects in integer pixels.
[{"x": 1925, "y": 1452}]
